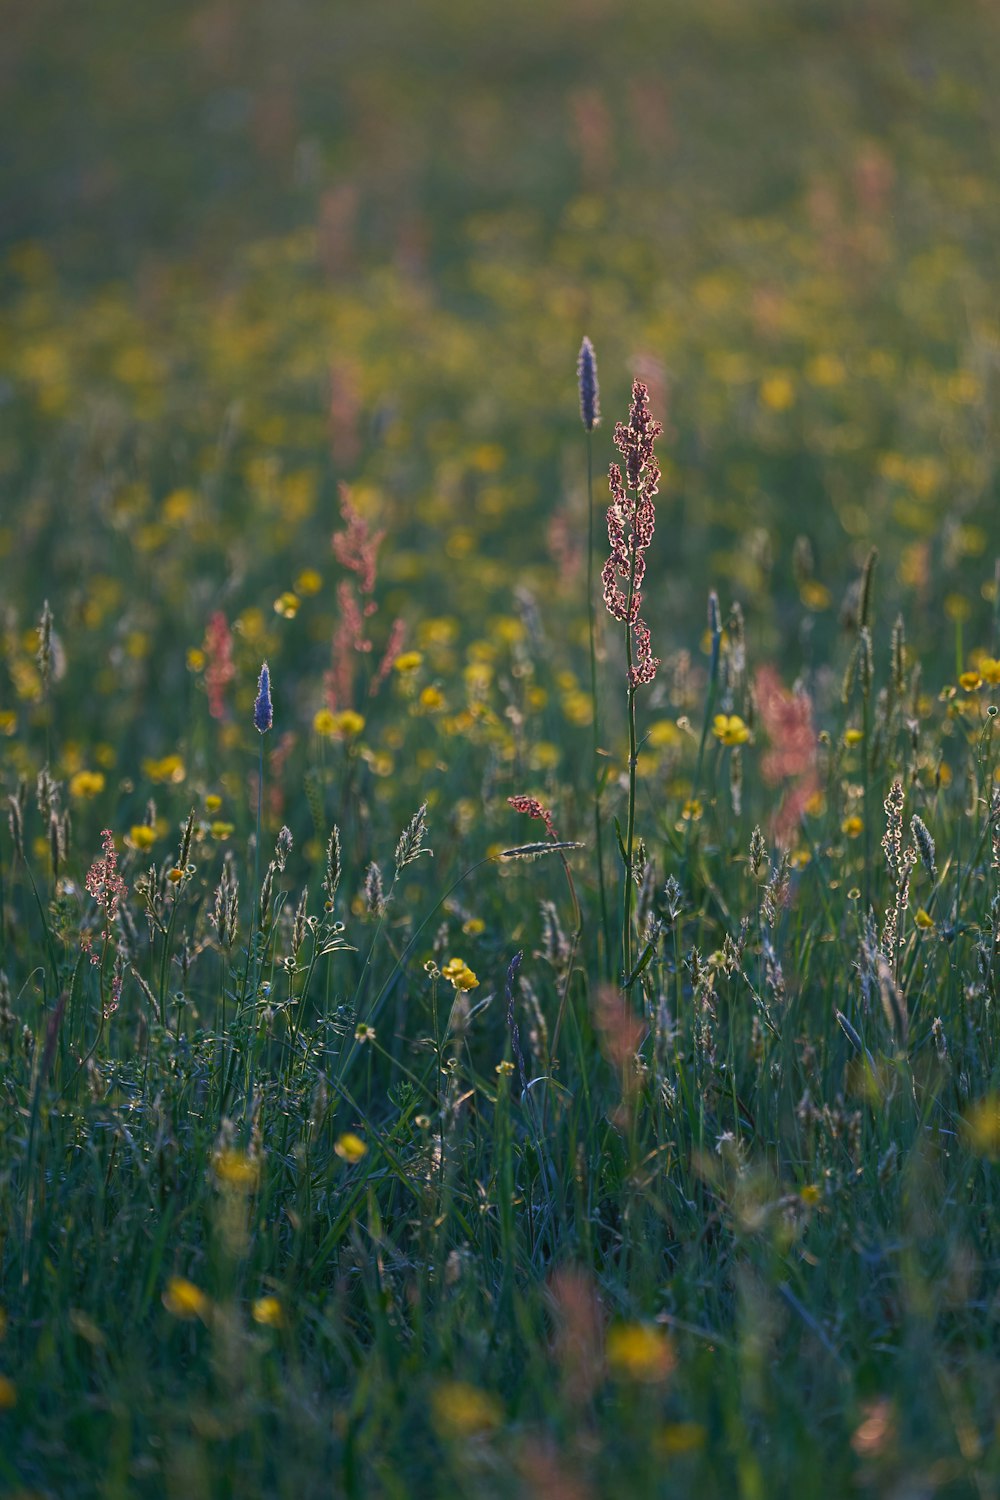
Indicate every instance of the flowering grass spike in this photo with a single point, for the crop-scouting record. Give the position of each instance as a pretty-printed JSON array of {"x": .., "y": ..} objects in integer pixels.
[
  {"x": 590, "y": 390},
  {"x": 263, "y": 711}
]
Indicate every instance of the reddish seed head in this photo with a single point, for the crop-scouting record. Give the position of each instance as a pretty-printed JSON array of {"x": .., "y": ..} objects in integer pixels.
[
  {"x": 534, "y": 809},
  {"x": 631, "y": 522}
]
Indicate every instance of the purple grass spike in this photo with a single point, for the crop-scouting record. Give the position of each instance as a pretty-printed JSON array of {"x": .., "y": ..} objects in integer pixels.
[
  {"x": 263, "y": 711},
  {"x": 590, "y": 391}
]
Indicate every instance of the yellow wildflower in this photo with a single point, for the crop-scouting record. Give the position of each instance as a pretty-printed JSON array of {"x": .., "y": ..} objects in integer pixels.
[
  {"x": 729, "y": 729},
  {"x": 458, "y": 973},
  {"x": 815, "y": 595},
  {"x": 777, "y": 392},
  {"x": 308, "y": 582},
  {"x": 663, "y": 734},
  {"x": 344, "y": 725},
  {"x": 923, "y": 919},
  {"x": 851, "y": 827},
  {"x": 268, "y": 1311},
  {"x": 350, "y": 1147},
  {"x": 969, "y": 681},
  {"x": 141, "y": 836},
  {"x": 636, "y": 1351},
  {"x": 170, "y": 768},
  {"x": 86, "y": 784},
  {"x": 989, "y": 668},
  {"x": 287, "y": 605},
  {"x": 407, "y": 661},
  {"x": 8, "y": 1393},
  {"x": 853, "y": 736},
  {"x": 213, "y": 802},
  {"x": 236, "y": 1169},
  {"x": 432, "y": 699},
  {"x": 981, "y": 1126},
  {"x": 184, "y": 1299}
]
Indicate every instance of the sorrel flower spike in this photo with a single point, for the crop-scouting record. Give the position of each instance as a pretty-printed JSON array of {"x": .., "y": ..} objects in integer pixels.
[{"x": 631, "y": 522}]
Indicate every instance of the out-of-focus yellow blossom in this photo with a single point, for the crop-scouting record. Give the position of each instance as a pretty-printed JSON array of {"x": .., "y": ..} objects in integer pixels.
[
  {"x": 577, "y": 707},
  {"x": 439, "y": 631},
  {"x": 142, "y": 836},
  {"x": 86, "y": 784},
  {"x": 309, "y": 582},
  {"x": 461, "y": 1411},
  {"x": 432, "y": 699},
  {"x": 287, "y": 605},
  {"x": 981, "y": 1126},
  {"x": 350, "y": 1147},
  {"x": 663, "y": 734},
  {"x": 407, "y": 661},
  {"x": 268, "y": 1311},
  {"x": 221, "y": 830},
  {"x": 777, "y": 392},
  {"x": 185, "y": 1300},
  {"x": 507, "y": 629},
  {"x": 170, "y": 769},
  {"x": 815, "y": 595},
  {"x": 970, "y": 681},
  {"x": 826, "y": 370},
  {"x": 635, "y": 1351},
  {"x": 851, "y": 827},
  {"x": 348, "y": 724},
  {"x": 853, "y": 736},
  {"x": 989, "y": 668},
  {"x": 923, "y": 919},
  {"x": 236, "y": 1169}
]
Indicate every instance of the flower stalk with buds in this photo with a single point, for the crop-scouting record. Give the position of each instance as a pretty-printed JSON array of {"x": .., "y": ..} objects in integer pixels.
[{"x": 631, "y": 522}]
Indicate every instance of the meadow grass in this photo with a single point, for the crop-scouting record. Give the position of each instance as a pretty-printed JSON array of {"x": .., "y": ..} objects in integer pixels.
[{"x": 493, "y": 1050}]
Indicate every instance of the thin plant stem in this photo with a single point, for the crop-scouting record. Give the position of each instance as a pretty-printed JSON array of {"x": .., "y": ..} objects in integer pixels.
[
  {"x": 632, "y": 755},
  {"x": 591, "y": 620}
]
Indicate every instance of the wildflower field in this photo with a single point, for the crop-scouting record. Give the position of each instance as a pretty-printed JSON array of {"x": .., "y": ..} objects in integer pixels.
[{"x": 499, "y": 660}]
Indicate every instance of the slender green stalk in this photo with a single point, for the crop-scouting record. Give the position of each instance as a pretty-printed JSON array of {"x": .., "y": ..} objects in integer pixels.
[
  {"x": 591, "y": 620},
  {"x": 632, "y": 756}
]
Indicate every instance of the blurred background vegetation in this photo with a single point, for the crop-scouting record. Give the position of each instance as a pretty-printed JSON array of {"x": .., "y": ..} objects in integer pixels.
[{"x": 251, "y": 250}]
